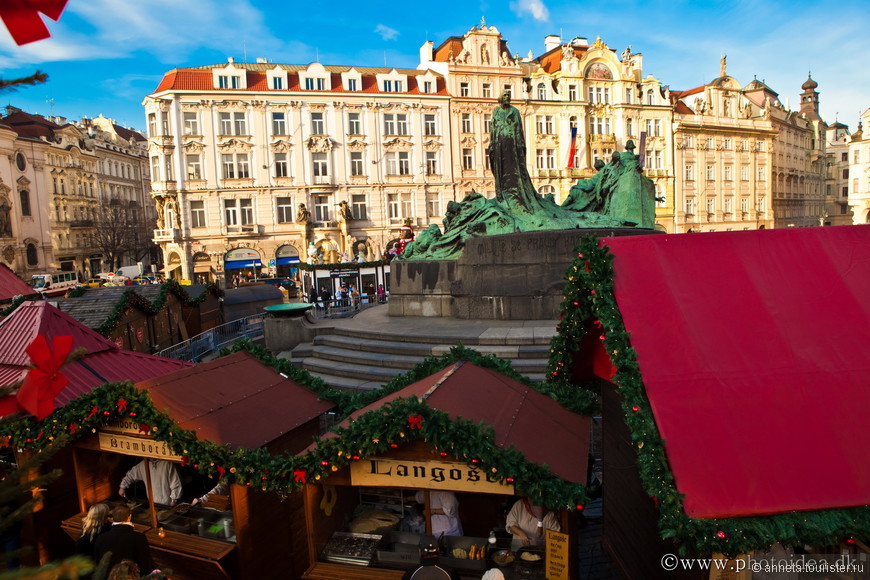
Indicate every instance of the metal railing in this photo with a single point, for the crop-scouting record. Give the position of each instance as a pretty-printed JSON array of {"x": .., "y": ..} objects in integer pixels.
[
  {"x": 205, "y": 343},
  {"x": 343, "y": 308}
]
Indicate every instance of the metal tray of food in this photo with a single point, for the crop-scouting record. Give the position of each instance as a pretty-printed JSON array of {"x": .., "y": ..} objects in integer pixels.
[{"x": 351, "y": 548}]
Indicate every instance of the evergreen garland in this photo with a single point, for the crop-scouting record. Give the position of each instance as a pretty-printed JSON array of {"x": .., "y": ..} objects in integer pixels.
[
  {"x": 589, "y": 296},
  {"x": 18, "y": 301},
  {"x": 371, "y": 433}
]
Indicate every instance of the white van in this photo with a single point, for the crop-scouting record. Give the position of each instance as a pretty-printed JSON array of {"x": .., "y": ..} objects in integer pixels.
[{"x": 126, "y": 272}]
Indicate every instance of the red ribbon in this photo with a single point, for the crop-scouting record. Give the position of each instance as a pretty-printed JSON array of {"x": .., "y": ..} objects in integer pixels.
[
  {"x": 144, "y": 428},
  {"x": 122, "y": 405},
  {"x": 299, "y": 475},
  {"x": 44, "y": 382},
  {"x": 184, "y": 460},
  {"x": 94, "y": 411},
  {"x": 415, "y": 421},
  {"x": 221, "y": 472},
  {"x": 22, "y": 18}
]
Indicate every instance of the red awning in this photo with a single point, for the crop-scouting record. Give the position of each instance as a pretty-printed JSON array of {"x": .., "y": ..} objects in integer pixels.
[{"x": 753, "y": 348}]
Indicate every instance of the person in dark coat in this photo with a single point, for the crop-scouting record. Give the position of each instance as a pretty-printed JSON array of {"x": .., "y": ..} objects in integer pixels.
[
  {"x": 96, "y": 522},
  {"x": 124, "y": 542}
]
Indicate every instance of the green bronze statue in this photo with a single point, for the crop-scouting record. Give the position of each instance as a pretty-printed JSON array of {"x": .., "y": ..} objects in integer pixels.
[{"x": 619, "y": 195}]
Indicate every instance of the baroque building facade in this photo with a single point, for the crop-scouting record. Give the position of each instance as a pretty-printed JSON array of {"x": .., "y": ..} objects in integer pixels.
[
  {"x": 76, "y": 172},
  {"x": 258, "y": 165},
  {"x": 859, "y": 173},
  {"x": 837, "y": 208}
]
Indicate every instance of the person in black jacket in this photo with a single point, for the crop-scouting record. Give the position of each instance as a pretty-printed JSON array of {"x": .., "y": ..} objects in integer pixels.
[
  {"x": 124, "y": 542},
  {"x": 96, "y": 522}
]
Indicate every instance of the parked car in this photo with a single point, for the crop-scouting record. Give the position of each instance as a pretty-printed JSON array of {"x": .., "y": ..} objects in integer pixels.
[
  {"x": 93, "y": 282},
  {"x": 144, "y": 280}
]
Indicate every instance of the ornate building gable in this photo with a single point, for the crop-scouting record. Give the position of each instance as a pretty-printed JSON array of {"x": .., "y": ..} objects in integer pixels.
[
  {"x": 281, "y": 146},
  {"x": 398, "y": 144},
  {"x": 357, "y": 145},
  {"x": 232, "y": 105},
  {"x": 193, "y": 146},
  {"x": 234, "y": 145},
  {"x": 432, "y": 144},
  {"x": 319, "y": 144}
]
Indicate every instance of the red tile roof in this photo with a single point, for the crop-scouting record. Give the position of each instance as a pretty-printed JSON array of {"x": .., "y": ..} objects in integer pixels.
[
  {"x": 520, "y": 416},
  {"x": 104, "y": 361},
  {"x": 11, "y": 285},
  {"x": 235, "y": 400}
]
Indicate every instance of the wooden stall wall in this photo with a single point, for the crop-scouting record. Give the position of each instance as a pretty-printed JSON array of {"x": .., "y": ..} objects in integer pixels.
[{"x": 631, "y": 533}]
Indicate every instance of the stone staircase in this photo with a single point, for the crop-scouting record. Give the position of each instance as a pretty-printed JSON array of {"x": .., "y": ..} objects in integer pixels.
[{"x": 356, "y": 358}]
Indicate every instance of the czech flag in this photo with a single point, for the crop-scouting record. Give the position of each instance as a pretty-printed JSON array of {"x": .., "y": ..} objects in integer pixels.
[{"x": 573, "y": 148}]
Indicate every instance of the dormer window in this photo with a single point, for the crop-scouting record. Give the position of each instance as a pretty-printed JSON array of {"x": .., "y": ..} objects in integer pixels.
[
  {"x": 228, "y": 82},
  {"x": 315, "y": 84},
  {"x": 393, "y": 86},
  {"x": 352, "y": 85},
  {"x": 277, "y": 83},
  {"x": 428, "y": 87}
]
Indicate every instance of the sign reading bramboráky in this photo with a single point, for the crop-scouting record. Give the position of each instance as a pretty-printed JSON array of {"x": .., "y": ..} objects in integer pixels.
[
  {"x": 377, "y": 471},
  {"x": 138, "y": 446}
]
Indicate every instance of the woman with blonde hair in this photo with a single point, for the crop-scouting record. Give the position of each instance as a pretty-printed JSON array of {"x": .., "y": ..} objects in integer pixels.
[{"x": 94, "y": 523}]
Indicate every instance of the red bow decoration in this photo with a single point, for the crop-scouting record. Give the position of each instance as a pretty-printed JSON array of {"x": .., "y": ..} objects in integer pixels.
[
  {"x": 44, "y": 382},
  {"x": 72, "y": 428},
  {"x": 299, "y": 475},
  {"x": 94, "y": 411},
  {"x": 221, "y": 472},
  {"x": 144, "y": 428},
  {"x": 122, "y": 405},
  {"x": 22, "y": 19},
  {"x": 415, "y": 421},
  {"x": 184, "y": 460}
]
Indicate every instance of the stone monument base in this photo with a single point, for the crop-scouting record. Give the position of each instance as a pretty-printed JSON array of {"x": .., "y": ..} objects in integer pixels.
[{"x": 503, "y": 277}]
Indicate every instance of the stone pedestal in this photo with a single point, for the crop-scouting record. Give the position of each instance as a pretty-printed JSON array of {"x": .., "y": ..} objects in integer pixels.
[{"x": 506, "y": 277}]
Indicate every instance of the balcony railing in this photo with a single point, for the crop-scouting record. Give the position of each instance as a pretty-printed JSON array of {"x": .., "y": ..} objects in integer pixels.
[
  {"x": 245, "y": 230},
  {"x": 169, "y": 235},
  {"x": 81, "y": 224}
]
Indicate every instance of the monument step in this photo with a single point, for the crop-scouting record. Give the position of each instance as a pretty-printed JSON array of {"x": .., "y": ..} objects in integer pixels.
[
  {"x": 511, "y": 336},
  {"x": 315, "y": 365},
  {"x": 366, "y": 357},
  {"x": 395, "y": 346}
]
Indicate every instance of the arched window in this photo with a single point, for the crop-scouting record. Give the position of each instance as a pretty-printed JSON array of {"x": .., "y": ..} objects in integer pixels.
[
  {"x": 649, "y": 97},
  {"x": 629, "y": 127},
  {"x": 32, "y": 259},
  {"x": 542, "y": 91},
  {"x": 25, "y": 202}
]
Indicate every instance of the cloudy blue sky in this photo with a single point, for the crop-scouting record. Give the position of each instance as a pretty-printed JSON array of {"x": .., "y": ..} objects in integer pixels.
[{"x": 106, "y": 55}]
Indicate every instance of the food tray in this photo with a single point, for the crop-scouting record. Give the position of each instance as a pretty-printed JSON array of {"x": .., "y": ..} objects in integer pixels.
[
  {"x": 465, "y": 543},
  {"x": 351, "y": 548}
]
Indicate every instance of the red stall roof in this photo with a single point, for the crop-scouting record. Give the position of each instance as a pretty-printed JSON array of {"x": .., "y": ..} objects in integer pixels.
[
  {"x": 11, "y": 285},
  {"x": 104, "y": 361},
  {"x": 753, "y": 348},
  {"x": 535, "y": 424},
  {"x": 234, "y": 400}
]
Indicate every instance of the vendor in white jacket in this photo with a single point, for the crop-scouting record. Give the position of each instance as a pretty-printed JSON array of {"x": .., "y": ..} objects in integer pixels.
[{"x": 165, "y": 482}]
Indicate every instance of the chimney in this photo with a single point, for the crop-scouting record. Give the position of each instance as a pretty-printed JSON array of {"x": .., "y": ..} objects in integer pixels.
[
  {"x": 262, "y": 61},
  {"x": 230, "y": 59},
  {"x": 426, "y": 52},
  {"x": 551, "y": 42},
  {"x": 580, "y": 41}
]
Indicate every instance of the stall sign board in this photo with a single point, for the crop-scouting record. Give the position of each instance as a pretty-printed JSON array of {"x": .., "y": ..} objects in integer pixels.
[
  {"x": 377, "y": 472},
  {"x": 557, "y": 555},
  {"x": 138, "y": 446},
  {"x": 123, "y": 426}
]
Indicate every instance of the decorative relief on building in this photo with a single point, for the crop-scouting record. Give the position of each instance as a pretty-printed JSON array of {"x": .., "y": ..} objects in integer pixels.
[
  {"x": 432, "y": 145},
  {"x": 281, "y": 146},
  {"x": 357, "y": 145},
  {"x": 227, "y": 104},
  {"x": 398, "y": 144},
  {"x": 235, "y": 146},
  {"x": 319, "y": 144},
  {"x": 193, "y": 146}
]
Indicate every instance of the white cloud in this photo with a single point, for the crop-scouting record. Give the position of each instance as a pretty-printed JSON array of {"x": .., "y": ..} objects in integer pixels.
[
  {"x": 386, "y": 32},
  {"x": 535, "y": 8}
]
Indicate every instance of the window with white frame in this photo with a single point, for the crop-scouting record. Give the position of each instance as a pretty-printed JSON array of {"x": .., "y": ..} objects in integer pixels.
[
  {"x": 726, "y": 173},
  {"x": 711, "y": 204},
  {"x": 317, "y": 123},
  {"x": 545, "y": 159},
  {"x": 657, "y": 128},
  {"x": 760, "y": 146},
  {"x": 487, "y": 123},
  {"x": 321, "y": 208},
  {"x": 398, "y": 163},
  {"x": 710, "y": 143},
  {"x": 231, "y": 212},
  {"x": 315, "y": 84},
  {"x": 246, "y": 211},
  {"x": 401, "y": 124},
  {"x": 544, "y": 124},
  {"x": 762, "y": 174},
  {"x": 629, "y": 96},
  {"x": 650, "y": 97},
  {"x": 689, "y": 141},
  {"x": 690, "y": 205},
  {"x": 352, "y": 85},
  {"x": 393, "y": 206},
  {"x": 689, "y": 172},
  {"x": 464, "y": 90},
  {"x": 197, "y": 214},
  {"x": 226, "y": 123},
  {"x": 508, "y": 89},
  {"x": 407, "y": 205},
  {"x": 487, "y": 90},
  {"x": 467, "y": 159},
  {"x": 319, "y": 167},
  {"x": 572, "y": 92},
  {"x": 152, "y": 126},
  {"x": 744, "y": 204},
  {"x": 428, "y": 87},
  {"x": 728, "y": 205},
  {"x": 466, "y": 123},
  {"x": 429, "y": 125},
  {"x": 277, "y": 83},
  {"x": 744, "y": 173},
  {"x": 279, "y": 123},
  {"x": 393, "y": 86},
  {"x": 356, "y": 163},
  {"x": 155, "y": 172},
  {"x": 711, "y": 172},
  {"x": 239, "y": 124},
  {"x": 167, "y": 165},
  {"x": 281, "y": 167},
  {"x": 599, "y": 125},
  {"x": 762, "y": 204},
  {"x": 431, "y": 163},
  {"x": 359, "y": 206},
  {"x": 629, "y": 127},
  {"x": 727, "y": 144},
  {"x": 433, "y": 204},
  {"x": 657, "y": 162},
  {"x": 542, "y": 92},
  {"x": 235, "y": 166},
  {"x": 354, "y": 124},
  {"x": 190, "y": 123},
  {"x": 284, "y": 210},
  {"x": 395, "y": 124},
  {"x": 193, "y": 166}
]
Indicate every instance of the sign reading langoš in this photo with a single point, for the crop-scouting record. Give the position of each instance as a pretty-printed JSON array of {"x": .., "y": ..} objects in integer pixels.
[{"x": 376, "y": 471}]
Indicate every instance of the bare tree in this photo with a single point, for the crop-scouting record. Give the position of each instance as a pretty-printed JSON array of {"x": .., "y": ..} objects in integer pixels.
[
  {"x": 120, "y": 230},
  {"x": 36, "y": 78}
]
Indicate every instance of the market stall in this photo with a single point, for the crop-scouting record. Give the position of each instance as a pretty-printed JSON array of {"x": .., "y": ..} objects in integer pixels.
[
  {"x": 485, "y": 447},
  {"x": 234, "y": 401}
]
